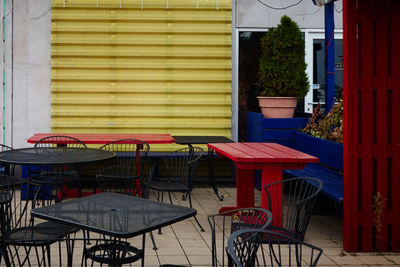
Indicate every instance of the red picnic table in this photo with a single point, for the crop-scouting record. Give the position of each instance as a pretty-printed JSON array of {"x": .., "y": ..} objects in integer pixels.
[
  {"x": 270, "y": 158},
  {"x": 104, "y": 138}
]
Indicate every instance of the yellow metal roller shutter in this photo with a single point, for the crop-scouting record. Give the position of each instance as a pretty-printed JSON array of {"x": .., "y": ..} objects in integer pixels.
[{"x": 141, "y": 66}]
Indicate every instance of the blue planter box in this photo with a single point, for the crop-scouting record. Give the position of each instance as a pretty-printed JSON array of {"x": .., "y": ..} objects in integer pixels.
[
  {"x": 281, "y": 131},
  {"x": 328, "y": 152},
  {"x": 330, "y": 167}
]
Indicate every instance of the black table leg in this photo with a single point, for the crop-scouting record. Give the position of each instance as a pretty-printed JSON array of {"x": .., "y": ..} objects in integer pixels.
[
  {"x": 211, "y": 173},
  {"x": 70, "y": 242}
]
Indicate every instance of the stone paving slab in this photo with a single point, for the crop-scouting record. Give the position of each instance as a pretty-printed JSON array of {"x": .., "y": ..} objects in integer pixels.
[{"x": 184, "y": 243}]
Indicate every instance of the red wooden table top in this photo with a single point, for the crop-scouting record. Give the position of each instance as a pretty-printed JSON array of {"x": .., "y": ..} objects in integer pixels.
[
  {"x": 103, "y": 138},
  {"x": 261, "y": 152}
]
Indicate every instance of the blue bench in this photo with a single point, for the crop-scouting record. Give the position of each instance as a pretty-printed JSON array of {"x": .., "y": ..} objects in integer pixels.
[{"x": 330, "y": 166}]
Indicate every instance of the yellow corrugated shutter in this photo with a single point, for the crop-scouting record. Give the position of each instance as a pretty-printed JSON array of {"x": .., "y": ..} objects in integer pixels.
[{"x": 141, "y": 66}]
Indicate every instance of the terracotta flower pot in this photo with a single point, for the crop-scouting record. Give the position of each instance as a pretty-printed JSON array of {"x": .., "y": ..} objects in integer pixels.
[{"x": 277, "y": 107}]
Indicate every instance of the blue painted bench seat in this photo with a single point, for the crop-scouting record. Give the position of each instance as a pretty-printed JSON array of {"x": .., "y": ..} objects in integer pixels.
[
  {"x": 330, "y": 167},
  {"x": 333, "y": 180}
]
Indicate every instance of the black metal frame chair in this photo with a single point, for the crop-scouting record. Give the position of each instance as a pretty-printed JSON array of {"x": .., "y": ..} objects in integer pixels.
[
  {"x": 134, "y": 185},
  {"x": 56, "y": 177},
  {"x": 223, "y": 224},
  {"x": 297, "y": 197},
  {"x": 180, "y": 166},
  {"x": 6, "y": 169},
  {"x": 260, "y": 247},
  {"x": 124, "y": 170},
  {"x": 127, "y": 173},
  {"x": 20, "y": 235}
]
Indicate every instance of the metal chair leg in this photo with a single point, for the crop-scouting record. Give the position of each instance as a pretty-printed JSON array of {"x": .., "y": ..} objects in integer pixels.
[
  {"x": 162, "y": 200},
  {"x": 190, "y": 203},
  {"x": 152, "y": 240}
]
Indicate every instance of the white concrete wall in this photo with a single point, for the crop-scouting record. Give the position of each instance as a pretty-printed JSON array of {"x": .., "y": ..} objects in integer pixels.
[
  {"x": 253, "y": 14},
  {"x": 28, "y": 69},
  {"x": 28, "y": 57}
]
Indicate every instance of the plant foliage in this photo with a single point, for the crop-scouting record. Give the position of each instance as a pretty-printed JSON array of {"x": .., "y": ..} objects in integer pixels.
[
  {"x": 329, "y": 126},
  {"x": 282, "y": 63}
]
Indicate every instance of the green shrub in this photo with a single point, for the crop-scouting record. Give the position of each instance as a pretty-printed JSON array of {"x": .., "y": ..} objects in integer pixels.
[
  {"x": 329, "y": 126},
  {"x": 282, "y": 63}
]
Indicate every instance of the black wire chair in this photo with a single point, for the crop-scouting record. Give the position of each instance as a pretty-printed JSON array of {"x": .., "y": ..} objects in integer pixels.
[
  {"x": 22, "y": 241},
  {"x": 260, "y": 247},
  {"x": 134, "y": 185},
  {"x": 223, "y": 224},
  {"x": 5, "y": 168},
  {"x": 180, "y": 166},
  {"x": 128, "y": 173},
  {"x": 294, "y": 202},
  {"x": 122, "y": 173},
  {"x": 56, "y": 178}
]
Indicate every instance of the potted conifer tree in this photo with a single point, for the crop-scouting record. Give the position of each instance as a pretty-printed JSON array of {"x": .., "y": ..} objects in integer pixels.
[{"x": 282, "y": 70}]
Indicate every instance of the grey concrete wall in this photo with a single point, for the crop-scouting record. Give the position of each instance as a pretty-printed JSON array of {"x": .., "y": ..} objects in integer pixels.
[
  {"x": 253, "y": 14},
  {"x": 28, "y": 69}
]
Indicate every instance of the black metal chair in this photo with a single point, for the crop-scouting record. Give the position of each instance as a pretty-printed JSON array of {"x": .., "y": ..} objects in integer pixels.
[
  {"x": 6, "y": 168},
  {"x": 259, "y": 247},
  {"x": 180, "y": 167},
  {"x": 56, "y": 178},
  {"x": 223, "y": 224},
  {"x": 20, "y": 235},
  {"x": 132, "y": 184},
  {"x": 297, "y": 198},
  {"x": 122, "y": 173},
  {"x": 128, "y": 173}
]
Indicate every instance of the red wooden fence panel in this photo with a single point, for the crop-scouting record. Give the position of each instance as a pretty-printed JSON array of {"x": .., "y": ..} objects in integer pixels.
[{"x": 371, "y": 125}]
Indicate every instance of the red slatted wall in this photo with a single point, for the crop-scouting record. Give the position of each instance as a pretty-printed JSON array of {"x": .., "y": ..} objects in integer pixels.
[{"x": 372, "y": 123}]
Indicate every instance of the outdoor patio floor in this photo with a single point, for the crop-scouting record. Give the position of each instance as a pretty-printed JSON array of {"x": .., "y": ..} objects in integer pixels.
[{"x": 184, "y": 243}]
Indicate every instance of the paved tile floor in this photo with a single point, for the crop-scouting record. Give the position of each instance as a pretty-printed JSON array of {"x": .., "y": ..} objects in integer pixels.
[{"x": 184, "y": 243}]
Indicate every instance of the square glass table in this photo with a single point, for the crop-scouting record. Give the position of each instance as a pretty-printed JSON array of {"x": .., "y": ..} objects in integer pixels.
[{"x": 115, "y": 215}]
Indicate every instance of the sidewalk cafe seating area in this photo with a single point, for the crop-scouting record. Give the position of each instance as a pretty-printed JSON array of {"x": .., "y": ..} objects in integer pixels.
[
  {"x": 105, "y": 226},
  {"x": 184, "y": 244}
]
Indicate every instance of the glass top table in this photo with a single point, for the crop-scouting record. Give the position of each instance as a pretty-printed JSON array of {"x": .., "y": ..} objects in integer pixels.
[
  {"x": 57, "y": 157},
  {"x": 54, "y": 156},
  {"x": 113, "y": 214}
]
